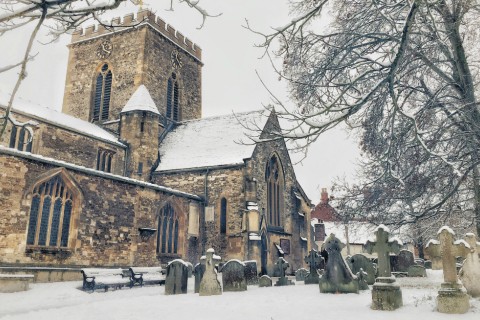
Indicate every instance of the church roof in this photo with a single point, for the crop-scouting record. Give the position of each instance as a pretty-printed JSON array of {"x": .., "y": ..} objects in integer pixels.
[
  {"x": 141, "y": 100},
  {"x": 210, "y": 142},
  {"x": 59, "y": 119}
]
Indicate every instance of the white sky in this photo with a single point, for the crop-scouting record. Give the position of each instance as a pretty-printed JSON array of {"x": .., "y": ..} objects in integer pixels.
[{"x": 229, "y": 83}]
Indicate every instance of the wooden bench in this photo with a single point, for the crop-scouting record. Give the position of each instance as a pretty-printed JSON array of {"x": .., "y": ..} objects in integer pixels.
[
  {"x": 147, "y": 275},
  {"x": 95, "y": 278}
]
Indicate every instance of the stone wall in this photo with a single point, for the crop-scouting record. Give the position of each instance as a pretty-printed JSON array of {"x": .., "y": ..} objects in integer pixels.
[{"x": 105, "y": 223}]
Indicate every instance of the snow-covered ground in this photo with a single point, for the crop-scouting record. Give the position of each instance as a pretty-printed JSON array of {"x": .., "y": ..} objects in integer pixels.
[{"x": 66, "y": 301}]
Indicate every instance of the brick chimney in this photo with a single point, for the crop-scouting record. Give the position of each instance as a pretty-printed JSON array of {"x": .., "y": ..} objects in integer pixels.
[{"x": 324, "y": 196}]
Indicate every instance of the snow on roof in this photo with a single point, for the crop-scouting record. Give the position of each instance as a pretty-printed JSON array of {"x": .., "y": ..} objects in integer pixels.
[
  {"x": 446, "y": 228},
  {"x": 141, "y": 100},
  {"x": 210, "y": 142},
  {"x": 361, "y": 232},
  {"x": 31, "y": 109}
]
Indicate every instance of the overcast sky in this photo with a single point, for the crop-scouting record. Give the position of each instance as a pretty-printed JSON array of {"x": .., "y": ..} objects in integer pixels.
[{"x": 229, "y": 84}]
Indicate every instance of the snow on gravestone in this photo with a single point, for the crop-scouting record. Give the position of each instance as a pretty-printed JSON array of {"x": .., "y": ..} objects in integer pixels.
[
  {"x": 233, "y": 276},
  {"x": 359, "y": 261},
  {"x": 300, "y": 274},
  {"x": 282, "y": 265},
  {"x": 177, "y": 277},
  {"x": 210, "y": 286},
  {"x": 198, "y": 272},
  {"x": 251, "y": 273},
  {"x": 470, "y": 272}
]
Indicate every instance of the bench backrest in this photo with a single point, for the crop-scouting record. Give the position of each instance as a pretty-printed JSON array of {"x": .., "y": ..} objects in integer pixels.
[
  {"x": 145, "y": 270},
  {"x": 93, "y": 272}
]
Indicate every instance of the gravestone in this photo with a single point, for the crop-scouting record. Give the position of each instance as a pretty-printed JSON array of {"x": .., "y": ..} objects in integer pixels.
[
  {"x": 337, "y": 277},
  {"x": 405, "y": 259},
  {"x": 470, "y": 272},
  {"x": 282, "y": 265},
  {"x": 251, "y": 272},
  {"x": 428, "y": 264},
  {"x": 359, "y": 261},
  {"x": 198, "y": 271},
  {"x": 176, "y": 278},
  {"x": 416, "y": 271},
  {"x": 265, "y": 281},
  {"x": 233, "y": 276},
  {"x": 386, "y": 294},
  {"x": 362, "y": 280},
  {"x": 300, "y": 274},
  {"x": 190, "y": 269},
  {"x": 451, "y": 298},
  {"x": 210, "y": 286},
  {"x": 420, "y": 262},
  {"x": 437, "y": 263},
  {"x": 314, "y": 261}
]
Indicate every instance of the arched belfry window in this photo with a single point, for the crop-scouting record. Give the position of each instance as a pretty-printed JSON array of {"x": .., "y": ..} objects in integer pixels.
[
  {"x": 223, "y": 216},
  {"x": 275, "y": 197},
  {"x": 173, "y": 111},
  {"x": 103, "y": 91},
  {"x": 167, "y": 234},
  {"x": 50, "y": 214}
]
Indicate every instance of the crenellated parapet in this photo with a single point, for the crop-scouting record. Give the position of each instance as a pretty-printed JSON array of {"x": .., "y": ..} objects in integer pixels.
[{"x": 134, "y": 21}]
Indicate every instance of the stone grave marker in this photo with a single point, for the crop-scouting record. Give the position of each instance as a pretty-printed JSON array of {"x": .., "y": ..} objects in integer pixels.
[
  {"x": 337, "y": 277},
  {"x": 420, "y": 262},
  {"x": 470, "y": 272},
  {"x": 314, "y": 261},
  {"x": 190, "y": 269},
  {"x": 405, "y": 259},
  {"x": 176, "y": 278},
  {"x": 265, "y": 281},
  {"x": 300, "y": 274},
  {"x": 416, "y": 271},
  {"x": 233, "y": 276},
  {"x": 359, "y": 261},
  {"x": 282, "y": 265},
  {"x": 198, "y": 272},
  {"x": 210, "y": 286},
  {"x": 362, "y": 280},
  {"x": 386, "y": 294},
  {"x": 428, "y": 264},
  {"x": 251, "y": 272},
  {"x": 451, "y": 298}
]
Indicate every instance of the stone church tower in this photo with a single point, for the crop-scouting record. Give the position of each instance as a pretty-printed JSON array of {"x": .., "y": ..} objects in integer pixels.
[{"x": 105, "y": 68}]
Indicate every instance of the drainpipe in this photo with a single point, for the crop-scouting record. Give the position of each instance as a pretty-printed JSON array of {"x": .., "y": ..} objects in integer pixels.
[{"x": 205, "y": 192}]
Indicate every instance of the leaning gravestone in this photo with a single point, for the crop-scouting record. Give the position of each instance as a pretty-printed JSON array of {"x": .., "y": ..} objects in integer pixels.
[
  {"x": 282, "y": 265},
  {"x": 416, "y": 271},
  {"x": 337, "y": 277},
  {"x": 176, "y": 278},
  {"x": 198, "y": 271},
  {"x": 233, "y": 276},
  {"x": 265, "y": 281},
  {"x": 386, "y": 294},
  {"x": 251, "y": 272},
  {"x": 314, "y": 261},
  {"x": 210, "y": 286},
  {"x": 405, "y": 259},
  {"x": 451, "y": 298},
  {"x": 359, "y": 261},
  {"x": 470, "y": 272},
  {"x": 300, "y": 274}
]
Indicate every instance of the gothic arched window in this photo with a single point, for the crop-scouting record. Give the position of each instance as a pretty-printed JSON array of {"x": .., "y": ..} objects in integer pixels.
[
  {"x": 172, "y": 98},
  {"x": 50, "y": 214},
  {"x": 275, "y": 199},
  {"x": 223, "y": 216},
  {"x": 21, "y": 140},
  {"x": 103, "y": 91},
  {"x": 167, "y": 234}
]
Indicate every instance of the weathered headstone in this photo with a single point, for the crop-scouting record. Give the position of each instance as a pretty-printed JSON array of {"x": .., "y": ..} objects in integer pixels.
[
  {"x": 265, "y": 281},
  {"x": 359, "y": 261},
  {"x": 451, "y": 298},
  {"x": 437, "y": 263},
  {"x": 251, "y": 273},
  {"x": 416, "y": 271},
  {"x": 190, "y": 269},
  {"x": 420, "y": 262},
  {"x": 470, "y": 272},
  {"x": 405, "y": 259},
  {"x": 386, "y": 294},
  {"x": 210, "y": 286},
  {"x": 176, "y": 278},
  {"x": 428, "y": 264},
  {"x": 233, "y": 276},
  {"x": 282, "y": 265},
  {"x": 198, "y": 271},
  {"x": 300, "y": 274},
  {"x": 337, "y": 277},
  {"x": 314, "y": 261},
  {"x": 362, "y": 280}
]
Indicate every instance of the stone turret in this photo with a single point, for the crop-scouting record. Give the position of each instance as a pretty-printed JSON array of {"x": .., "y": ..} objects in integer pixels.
[{"x": 139, "y": 129}]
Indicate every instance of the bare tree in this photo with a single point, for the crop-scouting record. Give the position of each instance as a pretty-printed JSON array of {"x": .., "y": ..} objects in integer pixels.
[
  {"x": 58, "y": 17},
  {"x": 403, "y": 74}
]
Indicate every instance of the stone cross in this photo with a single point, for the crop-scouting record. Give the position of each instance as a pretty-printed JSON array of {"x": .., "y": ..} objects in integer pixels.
[
  {"x": 210, "y": 284},
  {"x": 313, "y": 260},
  {"x": 448, "y": 249},
  {"x": 282, "y": 265},
  {"x": 382, "y": 246}
]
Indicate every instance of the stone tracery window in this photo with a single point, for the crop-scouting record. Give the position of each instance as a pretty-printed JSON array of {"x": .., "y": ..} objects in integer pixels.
[
  {"x": 104, "y": 160},
  {"x": 102, "y": 94},
  {"x": 167, "y": 234},
  {"x": 275, "y": 185},
  {"x": 173, "y": 111},
  {"x": 21, "y": 139},
  {"x": 50, "y": 214}
]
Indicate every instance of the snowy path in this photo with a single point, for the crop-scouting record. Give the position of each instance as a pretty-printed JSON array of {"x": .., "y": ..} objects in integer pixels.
[{"x": 65, "y": 301}]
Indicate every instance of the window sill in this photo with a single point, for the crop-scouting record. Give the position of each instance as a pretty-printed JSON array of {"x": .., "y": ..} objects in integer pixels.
[
  {"x": 169, "y": 255},
  {"x": 48, "y": 250}
]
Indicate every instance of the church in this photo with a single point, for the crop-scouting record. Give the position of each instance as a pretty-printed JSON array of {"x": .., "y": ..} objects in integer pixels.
[{"x": 130, "y": 174}]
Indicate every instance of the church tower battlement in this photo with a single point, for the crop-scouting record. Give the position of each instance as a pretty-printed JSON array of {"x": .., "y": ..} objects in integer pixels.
[{"x": 106, "y": 66}]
